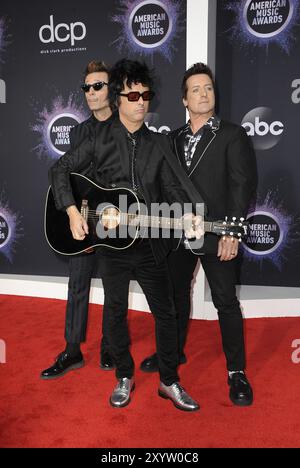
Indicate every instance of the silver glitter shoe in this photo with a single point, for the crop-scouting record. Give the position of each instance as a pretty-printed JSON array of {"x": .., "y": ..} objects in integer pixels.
[
  {"x": 121, "y": 395},
  {"x": 179, "y": 396}
]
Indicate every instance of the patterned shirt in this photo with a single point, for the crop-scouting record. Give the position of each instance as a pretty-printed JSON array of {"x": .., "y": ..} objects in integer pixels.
[{"x": 191, "y": 140}]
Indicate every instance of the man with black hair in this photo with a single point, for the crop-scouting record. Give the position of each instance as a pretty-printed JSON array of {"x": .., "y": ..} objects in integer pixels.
[
  {"x": 95, "y": 88},
  {"x": 126, "y": 154},
  {"x": 219, "y": 160}
]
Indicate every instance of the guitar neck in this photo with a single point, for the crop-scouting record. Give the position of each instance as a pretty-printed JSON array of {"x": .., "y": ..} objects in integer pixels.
[{"x": 158, "y": 222}]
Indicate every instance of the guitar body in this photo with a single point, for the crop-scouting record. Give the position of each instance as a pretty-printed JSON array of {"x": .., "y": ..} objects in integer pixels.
[
  {"x": 56, "y": 222},
  {"x": 115, "y": 218}
]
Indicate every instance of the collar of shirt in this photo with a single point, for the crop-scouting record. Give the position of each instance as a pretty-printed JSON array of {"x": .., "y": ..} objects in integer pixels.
[
  {"x": 135, "y": 135},
  {"x": 191, "y": 139},
  {"x": 212, "y": 123}
]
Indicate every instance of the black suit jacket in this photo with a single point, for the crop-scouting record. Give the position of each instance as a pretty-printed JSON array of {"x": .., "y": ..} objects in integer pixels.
[
  {"x": 223, "y": 170},
  {"x": 81, "y": 131},
  {"x": 159, "y": 176}
]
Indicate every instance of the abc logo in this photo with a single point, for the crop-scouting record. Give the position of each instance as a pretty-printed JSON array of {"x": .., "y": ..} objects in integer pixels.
[
  {"x": 62, "y": 32},
  {"x": 265, "y": 131},
  {"x": 152, "y": 121},
  {"x": 162, "y": 129},
  {"x": 296, "y": 92}
]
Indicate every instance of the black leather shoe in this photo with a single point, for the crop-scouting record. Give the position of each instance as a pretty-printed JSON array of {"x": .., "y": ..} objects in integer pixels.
[
  {"x": 63, "y": 364},
  {"x": 240, "y": 393},
  {"x": 106, "y": 361},
  {"x": 150, "y": 364}
]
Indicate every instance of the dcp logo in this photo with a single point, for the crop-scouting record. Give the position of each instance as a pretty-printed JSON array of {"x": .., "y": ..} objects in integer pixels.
[
  {"x": 265, "y": 131},
  {"x": 62, "y": 32}
]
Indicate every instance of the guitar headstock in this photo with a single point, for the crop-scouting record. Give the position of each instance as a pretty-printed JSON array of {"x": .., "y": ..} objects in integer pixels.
[{"x": 233, "y": 228}]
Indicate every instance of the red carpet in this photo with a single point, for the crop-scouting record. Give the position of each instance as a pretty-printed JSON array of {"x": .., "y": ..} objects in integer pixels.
[{"x": 74, "y": 412}]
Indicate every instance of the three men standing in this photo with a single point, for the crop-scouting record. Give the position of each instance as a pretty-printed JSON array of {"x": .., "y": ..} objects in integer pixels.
[{"x": 212, "y": 161}]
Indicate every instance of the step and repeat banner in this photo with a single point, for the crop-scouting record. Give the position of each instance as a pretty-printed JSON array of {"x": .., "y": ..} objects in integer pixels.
[
  {"x": 44, "y": 49},
  {"x": 258, "y": 74}
]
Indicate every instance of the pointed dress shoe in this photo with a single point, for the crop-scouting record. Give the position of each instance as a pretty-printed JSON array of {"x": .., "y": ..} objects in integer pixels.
[
  {"x": 106, "y": 361},
  {"x": 120, "y": 397},
  {"x": 180, "y": 398},
  {"x": 240, "y": 392},
  {"x": 150, "y": 363},
  {"x": 63, "y": 364}
]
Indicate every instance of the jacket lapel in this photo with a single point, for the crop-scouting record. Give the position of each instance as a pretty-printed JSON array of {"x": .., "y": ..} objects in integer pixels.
[
  {"x": 178, "y": 145},
  {"x": 207, "y": 138},
  {"x": 119, "y": 135},
  {"x": 180, "y": 171},
  {"x": 145, "y": 150}
]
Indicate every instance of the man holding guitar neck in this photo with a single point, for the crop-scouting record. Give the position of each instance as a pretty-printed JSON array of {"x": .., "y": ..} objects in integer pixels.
[
  {"x": 219, "y": 161},
  {"x": 124, "y": 153}
]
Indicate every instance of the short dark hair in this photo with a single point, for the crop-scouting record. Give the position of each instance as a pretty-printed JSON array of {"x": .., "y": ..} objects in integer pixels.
[
  {"x": 133, "y": 72},
  {"x": 96, "y": 66},
  {"x": 196, "y": 69}
]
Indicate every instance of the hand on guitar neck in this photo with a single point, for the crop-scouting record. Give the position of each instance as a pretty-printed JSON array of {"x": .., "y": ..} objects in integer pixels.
[
  {"x": 193, "y": 226},
  {"x": 78, "y": 224}
]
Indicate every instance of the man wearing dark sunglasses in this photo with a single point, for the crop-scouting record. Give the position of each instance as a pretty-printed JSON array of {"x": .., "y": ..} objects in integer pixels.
[
  {"x": 126, "y": 154},
  {"x": 81, "y": 267}
]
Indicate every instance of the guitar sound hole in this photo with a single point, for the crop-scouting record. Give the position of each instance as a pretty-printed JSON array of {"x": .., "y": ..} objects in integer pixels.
[{"x": 110, "y": 218}]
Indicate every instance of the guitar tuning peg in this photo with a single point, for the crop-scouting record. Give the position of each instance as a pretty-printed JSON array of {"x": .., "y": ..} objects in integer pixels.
[
  {"x": 242, "y": 219},
  {"x": 223, "y": 233},
  {"x": 226, "y": 217},
  {"x": 240, "y": 224},
  {"x": 232, "y": 224},
  {"x": 239, "y": 234},
  {"x": 240, "y": 239},
  {"x": 231, "y": 233},
  {"x": 224, "y": 222},
  {"x": 233, "y": 218}
]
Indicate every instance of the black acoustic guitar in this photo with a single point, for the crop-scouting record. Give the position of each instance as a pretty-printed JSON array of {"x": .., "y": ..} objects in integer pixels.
[{"x": 110, "y": 225}]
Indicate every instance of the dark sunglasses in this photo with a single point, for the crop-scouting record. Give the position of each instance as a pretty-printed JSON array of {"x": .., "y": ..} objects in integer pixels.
[
  {"x": 96, "y": 86},
  {"x": 134, "y": 96}
]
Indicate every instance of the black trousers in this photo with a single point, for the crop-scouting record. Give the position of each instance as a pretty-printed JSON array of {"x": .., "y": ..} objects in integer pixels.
[
  {"x": 222, "y": 278},
  {"x": 118, "y": 267},
  {"x": 80, "y": 273}
]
